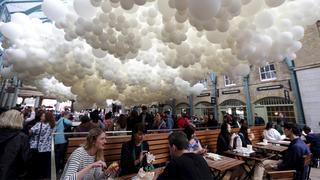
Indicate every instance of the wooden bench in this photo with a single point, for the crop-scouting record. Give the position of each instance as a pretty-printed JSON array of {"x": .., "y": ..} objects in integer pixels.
[
  {"x": 158, "y": 143},
  {"x": 281, "y": 175}
]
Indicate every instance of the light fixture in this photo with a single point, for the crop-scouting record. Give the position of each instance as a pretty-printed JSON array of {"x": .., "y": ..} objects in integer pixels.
[
  {"x": 318, "y": 26},
  {"x": 276, "y": 113}
]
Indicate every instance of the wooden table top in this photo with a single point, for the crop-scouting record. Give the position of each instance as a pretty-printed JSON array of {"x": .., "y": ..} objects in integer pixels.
[
  {"x": 243, "y": 156},
  {"x": 157, "y": 171},
  {"x": 271, "y": 147},
  {"x": 225, "y": 163},
  {"x": 283, "y": 143}
]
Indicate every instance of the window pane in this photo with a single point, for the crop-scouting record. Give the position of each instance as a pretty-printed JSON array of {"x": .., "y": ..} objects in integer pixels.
[
  {"x": 262, "y": 70},
  {"x": 272, "y": 67},
  {"x": 263, "y": 76},
  {"x": 267, "y": 68},
  {"x": 268, "y": 76}
]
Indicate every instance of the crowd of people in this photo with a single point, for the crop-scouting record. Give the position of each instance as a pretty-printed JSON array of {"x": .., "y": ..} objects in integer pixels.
[{"x": 26, "y": 138}]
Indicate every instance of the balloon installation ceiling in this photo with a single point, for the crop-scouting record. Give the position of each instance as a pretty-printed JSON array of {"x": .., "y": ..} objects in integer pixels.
[{"x": 141, "y": 51}]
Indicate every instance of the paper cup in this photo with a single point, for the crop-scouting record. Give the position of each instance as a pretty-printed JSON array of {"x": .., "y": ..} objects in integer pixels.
[{"x": 265, "y": 141}]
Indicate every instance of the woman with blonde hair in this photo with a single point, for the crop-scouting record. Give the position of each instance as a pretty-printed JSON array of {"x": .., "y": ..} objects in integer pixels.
[
  {"x": 14, "y": 146},
  {"x": 87, "y": 162}
]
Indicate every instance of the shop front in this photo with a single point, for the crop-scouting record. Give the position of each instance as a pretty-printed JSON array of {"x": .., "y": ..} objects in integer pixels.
[
  {"x": 234, "y": 107},
  {"x": 274, "y": 108}
]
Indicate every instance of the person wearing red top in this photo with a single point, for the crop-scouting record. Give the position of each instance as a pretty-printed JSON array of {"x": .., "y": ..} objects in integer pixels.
[{"x": 183, "y": 121}]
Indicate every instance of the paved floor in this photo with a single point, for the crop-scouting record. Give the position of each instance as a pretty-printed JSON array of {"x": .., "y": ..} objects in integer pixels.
[{"x": 315, "y": 174}]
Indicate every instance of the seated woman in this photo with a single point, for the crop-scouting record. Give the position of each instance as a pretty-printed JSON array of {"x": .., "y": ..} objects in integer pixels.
[
  {"x": 194, "y": 143},
  {"x": 133, "y": 152},
  {"x": 225, "y": 142},
  {"x": 87, "y": 162},
  {"x": 270, "y": 133},
  {"x": 244, "y": 135}
]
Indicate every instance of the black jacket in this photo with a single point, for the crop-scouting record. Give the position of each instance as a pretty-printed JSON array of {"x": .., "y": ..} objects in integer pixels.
[
  {"x": 222, "y": 145},
  {"x": 148, "y": 120},
  {"x": 127, "y": 158},
  {"x": 14, "y": 153},
  {"x": 188, "y": 166}
]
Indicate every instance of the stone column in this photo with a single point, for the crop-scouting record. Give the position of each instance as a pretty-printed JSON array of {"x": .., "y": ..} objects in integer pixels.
[{"x": 246, "y": 90}]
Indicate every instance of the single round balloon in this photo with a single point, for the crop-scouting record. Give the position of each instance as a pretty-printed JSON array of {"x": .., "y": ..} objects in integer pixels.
[
  {"x": 127, "y": 4},
  {"x": 264, "y": 19},
  {"x": 274, "y": 3},
  {"x": 204, "y": 9},
  {"x": 54, "y": 10},
  {"x": 84, "y": 8}
]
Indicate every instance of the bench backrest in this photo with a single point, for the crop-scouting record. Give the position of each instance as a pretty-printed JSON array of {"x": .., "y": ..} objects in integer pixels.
[
  {"x": 158, "y": 143},
  {"x": 158, "y": 146}
]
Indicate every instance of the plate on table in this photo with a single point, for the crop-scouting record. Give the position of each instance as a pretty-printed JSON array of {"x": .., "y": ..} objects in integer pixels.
[
  {"x": 262, "y": 143},
  {"x": 213, "y": 156}
]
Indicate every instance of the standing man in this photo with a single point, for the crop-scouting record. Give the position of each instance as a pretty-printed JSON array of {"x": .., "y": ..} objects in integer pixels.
[
  {"x": 258, "y": 121},
  {"x": 169, "y": 120},
  {"x": 184, "y": 165},
  {"x": 146, "y": 118},
  {"x": 60, "y": 141}
]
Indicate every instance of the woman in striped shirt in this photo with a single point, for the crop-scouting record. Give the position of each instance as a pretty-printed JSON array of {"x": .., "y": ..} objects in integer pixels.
[{"x": 87, "y": 162}]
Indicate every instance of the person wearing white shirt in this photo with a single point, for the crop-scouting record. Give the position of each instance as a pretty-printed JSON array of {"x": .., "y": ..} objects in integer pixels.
[{"x": 272, "y": 134}]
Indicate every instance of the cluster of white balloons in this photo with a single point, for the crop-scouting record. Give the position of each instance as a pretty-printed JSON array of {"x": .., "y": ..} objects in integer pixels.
[{"x": 141, "y": 51}]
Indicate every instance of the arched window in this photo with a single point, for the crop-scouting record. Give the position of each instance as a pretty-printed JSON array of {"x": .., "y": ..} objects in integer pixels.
[
  {"x": 276, "y": 108},
  {"x": 203, "y": 108},
  {"x": 234, "y": 107}
]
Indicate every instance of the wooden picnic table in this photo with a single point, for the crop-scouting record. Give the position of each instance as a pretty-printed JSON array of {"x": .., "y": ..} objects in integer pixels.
[
  {"x": 271, "y": 147},
  {"x": 243, "y": 156},
  {"x": 282, "y": 143},
  {"x": 156, "y": 171},
  {"x": 249, "y": 167},
  {"x": 223, "y": 165}
]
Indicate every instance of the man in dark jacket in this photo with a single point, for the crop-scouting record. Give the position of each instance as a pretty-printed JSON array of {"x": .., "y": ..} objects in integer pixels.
[
  {"x": 184, "y": 165},
  {"x": 292, "y": 159},
  {"x": 145, "y": 118},
  {"x": 314, "y": 140},
  {"x": 258, "y": 121},
  {"x": 14, "y": 146}
]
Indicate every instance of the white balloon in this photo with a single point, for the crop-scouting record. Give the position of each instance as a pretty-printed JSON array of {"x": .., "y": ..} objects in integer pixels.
[
  {"x": 264, "y": 19},
  {"x": 274, "y": 3},
  {"x": 251, "y": 8},
  {"x": 84, "y": 8},
  {"x": 96, "y": 3},
  {"x": 11, "y": 30},
  {"x": 126, "y": 4},
  {"x": 54, "y": 10},
  {"x": 140, "y": 2},
  {"x": 99, "y": 53},
  {"x": 106, "y": 6},
  {"x": 163, "y": 6},
  {"x": 216, "y": 36},
  {"x": 181, "y": 4},
  {"x": 298, "y": 32},
  {"x": 242, "y": 69},
  {"x": 204, "y": 9}
]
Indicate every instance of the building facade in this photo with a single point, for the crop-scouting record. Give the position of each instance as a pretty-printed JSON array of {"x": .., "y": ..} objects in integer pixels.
[
  {"x": 307, "y": 70},
  {"x": 270, "y": 93}
]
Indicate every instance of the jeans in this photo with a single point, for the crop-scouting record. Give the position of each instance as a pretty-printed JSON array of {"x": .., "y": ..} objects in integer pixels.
[
  {"x": 60, "y": 154},
  {"x": 261, "y": 167}
]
